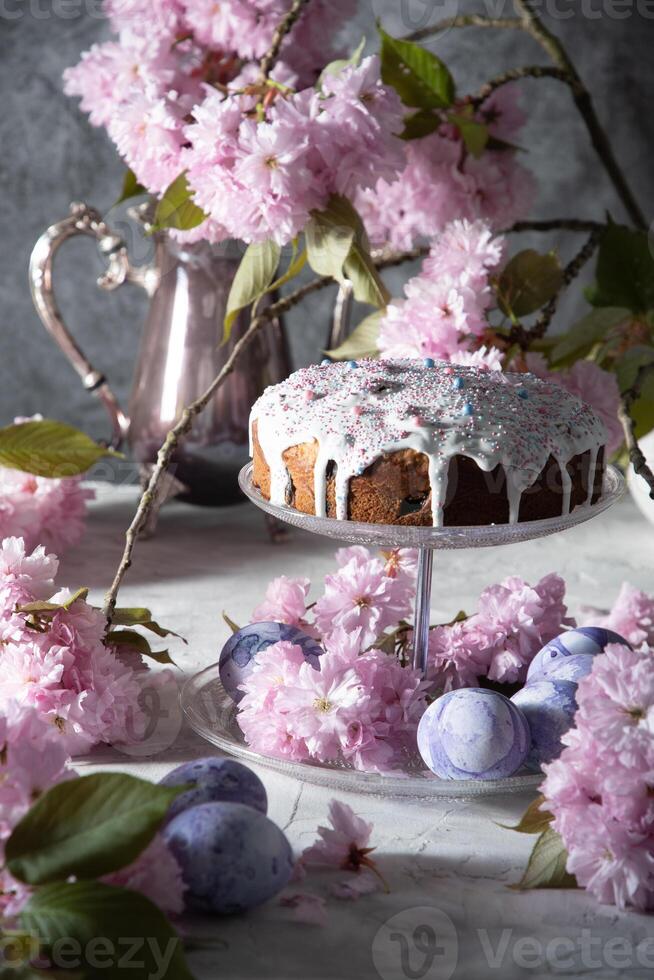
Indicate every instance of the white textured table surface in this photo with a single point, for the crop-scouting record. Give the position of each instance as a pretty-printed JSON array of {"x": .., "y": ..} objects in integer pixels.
[{"x": 448, "y": 864}]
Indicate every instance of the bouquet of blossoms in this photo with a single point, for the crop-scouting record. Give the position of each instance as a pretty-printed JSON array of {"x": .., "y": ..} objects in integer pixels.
[{"x": 233, "y": 118}]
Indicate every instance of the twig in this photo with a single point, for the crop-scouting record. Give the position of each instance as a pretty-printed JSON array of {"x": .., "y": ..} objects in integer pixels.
[
  {"x": 551, "y": 44},
  {"x": 636, "y": 456},
  {"x": 512, "y": 75},
  {"x": 530, "y": 23},
  {"x": 555, "y": 224},
  {"x": 523, "y": 336},
  {"x": 185, "y": 424},
  {"x": 267, "y": 63},
  {"x": 464, "y": 20}
]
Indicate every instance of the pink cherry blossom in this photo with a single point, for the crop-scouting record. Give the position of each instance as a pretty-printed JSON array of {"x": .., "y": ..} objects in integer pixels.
[
  {"x": 344, "y": 844},
  {"x": 362, "y": 595},
  {"x": 444, "y": 307},
  {"x": 631, "y": 616},
  {"x": 599, "y": 789},
  {"x": 512, "y": 622},
  {"x": 441, "y": 181},
  {"x": 285, "y": 602}
]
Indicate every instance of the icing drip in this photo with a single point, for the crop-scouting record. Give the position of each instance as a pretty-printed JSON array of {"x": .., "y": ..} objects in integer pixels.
[{"x": 357, "y": 414}]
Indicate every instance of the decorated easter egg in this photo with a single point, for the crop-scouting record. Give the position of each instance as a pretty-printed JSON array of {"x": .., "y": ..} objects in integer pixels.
[
  {"x": 473, "y": 733},
  {"x": 239, "y": 653},
  {"x": 582, "y": 640},
  {"x": 232, "y": 857},
  {"x": 215, "y": 780},
  {"x": 549, "y": 706},
  {"x": 565, "y": 668}
]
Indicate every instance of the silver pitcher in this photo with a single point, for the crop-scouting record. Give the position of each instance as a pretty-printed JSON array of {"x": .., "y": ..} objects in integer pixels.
[{"x": 181, "y": 352}]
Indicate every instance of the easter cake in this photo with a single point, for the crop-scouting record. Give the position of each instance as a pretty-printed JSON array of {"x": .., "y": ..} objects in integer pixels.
[{"x": 425, "y": 443}]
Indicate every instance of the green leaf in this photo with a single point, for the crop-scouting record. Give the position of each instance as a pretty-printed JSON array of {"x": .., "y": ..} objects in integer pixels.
[
  {"x": 534, "y": 820},
  {"x": 418, "y": 76},
  {"x": 337, "y": 246},
  {"x": 139, "y": 616},
  {"x": 48, "y": 448},
  {"x": 88, "y": 911},
  {"x": 44, "y": 608},
  {"x": 546, "y": 867},
  {"x": 253, "y": 277},
  {"x": 234, "y": 627},
  {"x": 625, "y": 270},
  {"x": 420, "y": 124},
  {"x": 138, "y": 642},
  {"x": 627, "y": 368},
  {"x": 588, "y": 331},
  {"x": 131, "y": 187},
  {"x": 329, "y": 242},
  {"x": 362, "y": 342},
  {"x": 528, "y": 281},
  {"x": 87, "y": 827},
  {"x": 474, "y": 134},
  {"x": 176, "y": 209},
  {"x": 366, "y": 282},
  {"x": 295, "y": 267},
  {"x": 335, "y": 67}
]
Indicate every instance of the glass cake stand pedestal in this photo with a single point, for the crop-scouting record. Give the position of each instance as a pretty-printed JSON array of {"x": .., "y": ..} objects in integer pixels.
[{"x": 212, "y": 713}]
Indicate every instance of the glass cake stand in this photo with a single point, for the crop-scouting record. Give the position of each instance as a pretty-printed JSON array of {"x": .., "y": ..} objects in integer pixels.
[{"x": 211, "y": 712}]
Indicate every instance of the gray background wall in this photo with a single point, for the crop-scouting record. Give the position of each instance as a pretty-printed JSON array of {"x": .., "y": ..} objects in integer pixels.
[{"x": 50, "y": 155}]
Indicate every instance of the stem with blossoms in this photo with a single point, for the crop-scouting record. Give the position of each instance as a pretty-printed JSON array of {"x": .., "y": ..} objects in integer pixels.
[
  {"x": 529, "y": 22},
  {"x": 285, "y": 26}
]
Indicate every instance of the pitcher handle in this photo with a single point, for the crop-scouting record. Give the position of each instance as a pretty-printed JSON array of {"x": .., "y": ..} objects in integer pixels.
[{"x": 84, "y": 220}]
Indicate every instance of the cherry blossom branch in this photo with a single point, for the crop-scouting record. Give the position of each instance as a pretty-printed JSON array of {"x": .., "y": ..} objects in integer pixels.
[
  {"x": 283, "y": 28},
  {"x": 513, "y": 75},
  {"x": 636, "y": 455},
  {"x": 582, "y": 98},
  {"x": 464, "y": 20},
  {"x": 530, "y": 23},
  {"x": 555, "y": 224},
  {"x": 524, "y": 337}
]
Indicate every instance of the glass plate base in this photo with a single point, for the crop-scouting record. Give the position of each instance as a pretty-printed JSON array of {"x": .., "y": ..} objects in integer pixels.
[{"x": 212, "y": 714}]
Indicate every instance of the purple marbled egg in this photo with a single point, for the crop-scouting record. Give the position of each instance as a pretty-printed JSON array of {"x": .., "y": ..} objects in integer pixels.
[
  {"x": 215, "y": 780},
  {"x": 473, "y": 733},
  {"x": 240, "y": 651},
  {"x": 589, "y": 640},
  {"x": 565, "y": 669},
  {"x": 549, "y": 706},
  {"x": 232, "y": 857}
]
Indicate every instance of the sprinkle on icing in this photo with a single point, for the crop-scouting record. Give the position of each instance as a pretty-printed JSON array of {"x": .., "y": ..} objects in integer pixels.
[{"x": 356, "y": 416}]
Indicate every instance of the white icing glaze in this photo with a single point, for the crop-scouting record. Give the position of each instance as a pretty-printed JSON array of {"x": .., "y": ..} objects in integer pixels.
[{"x": 356, "y": 414}]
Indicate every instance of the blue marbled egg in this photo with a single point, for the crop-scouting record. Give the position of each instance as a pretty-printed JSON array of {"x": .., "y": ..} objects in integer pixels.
[
  {"x": 565, "y": 669},
  {"x": 216, "y": 780},
  {"x": 549, "y": 706},
  {"x": 231, "y": 856},
  {"x": 473, "y": 733},
  {"x": 240, "y": 651},
  {"x": 582, "y": 640}
]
